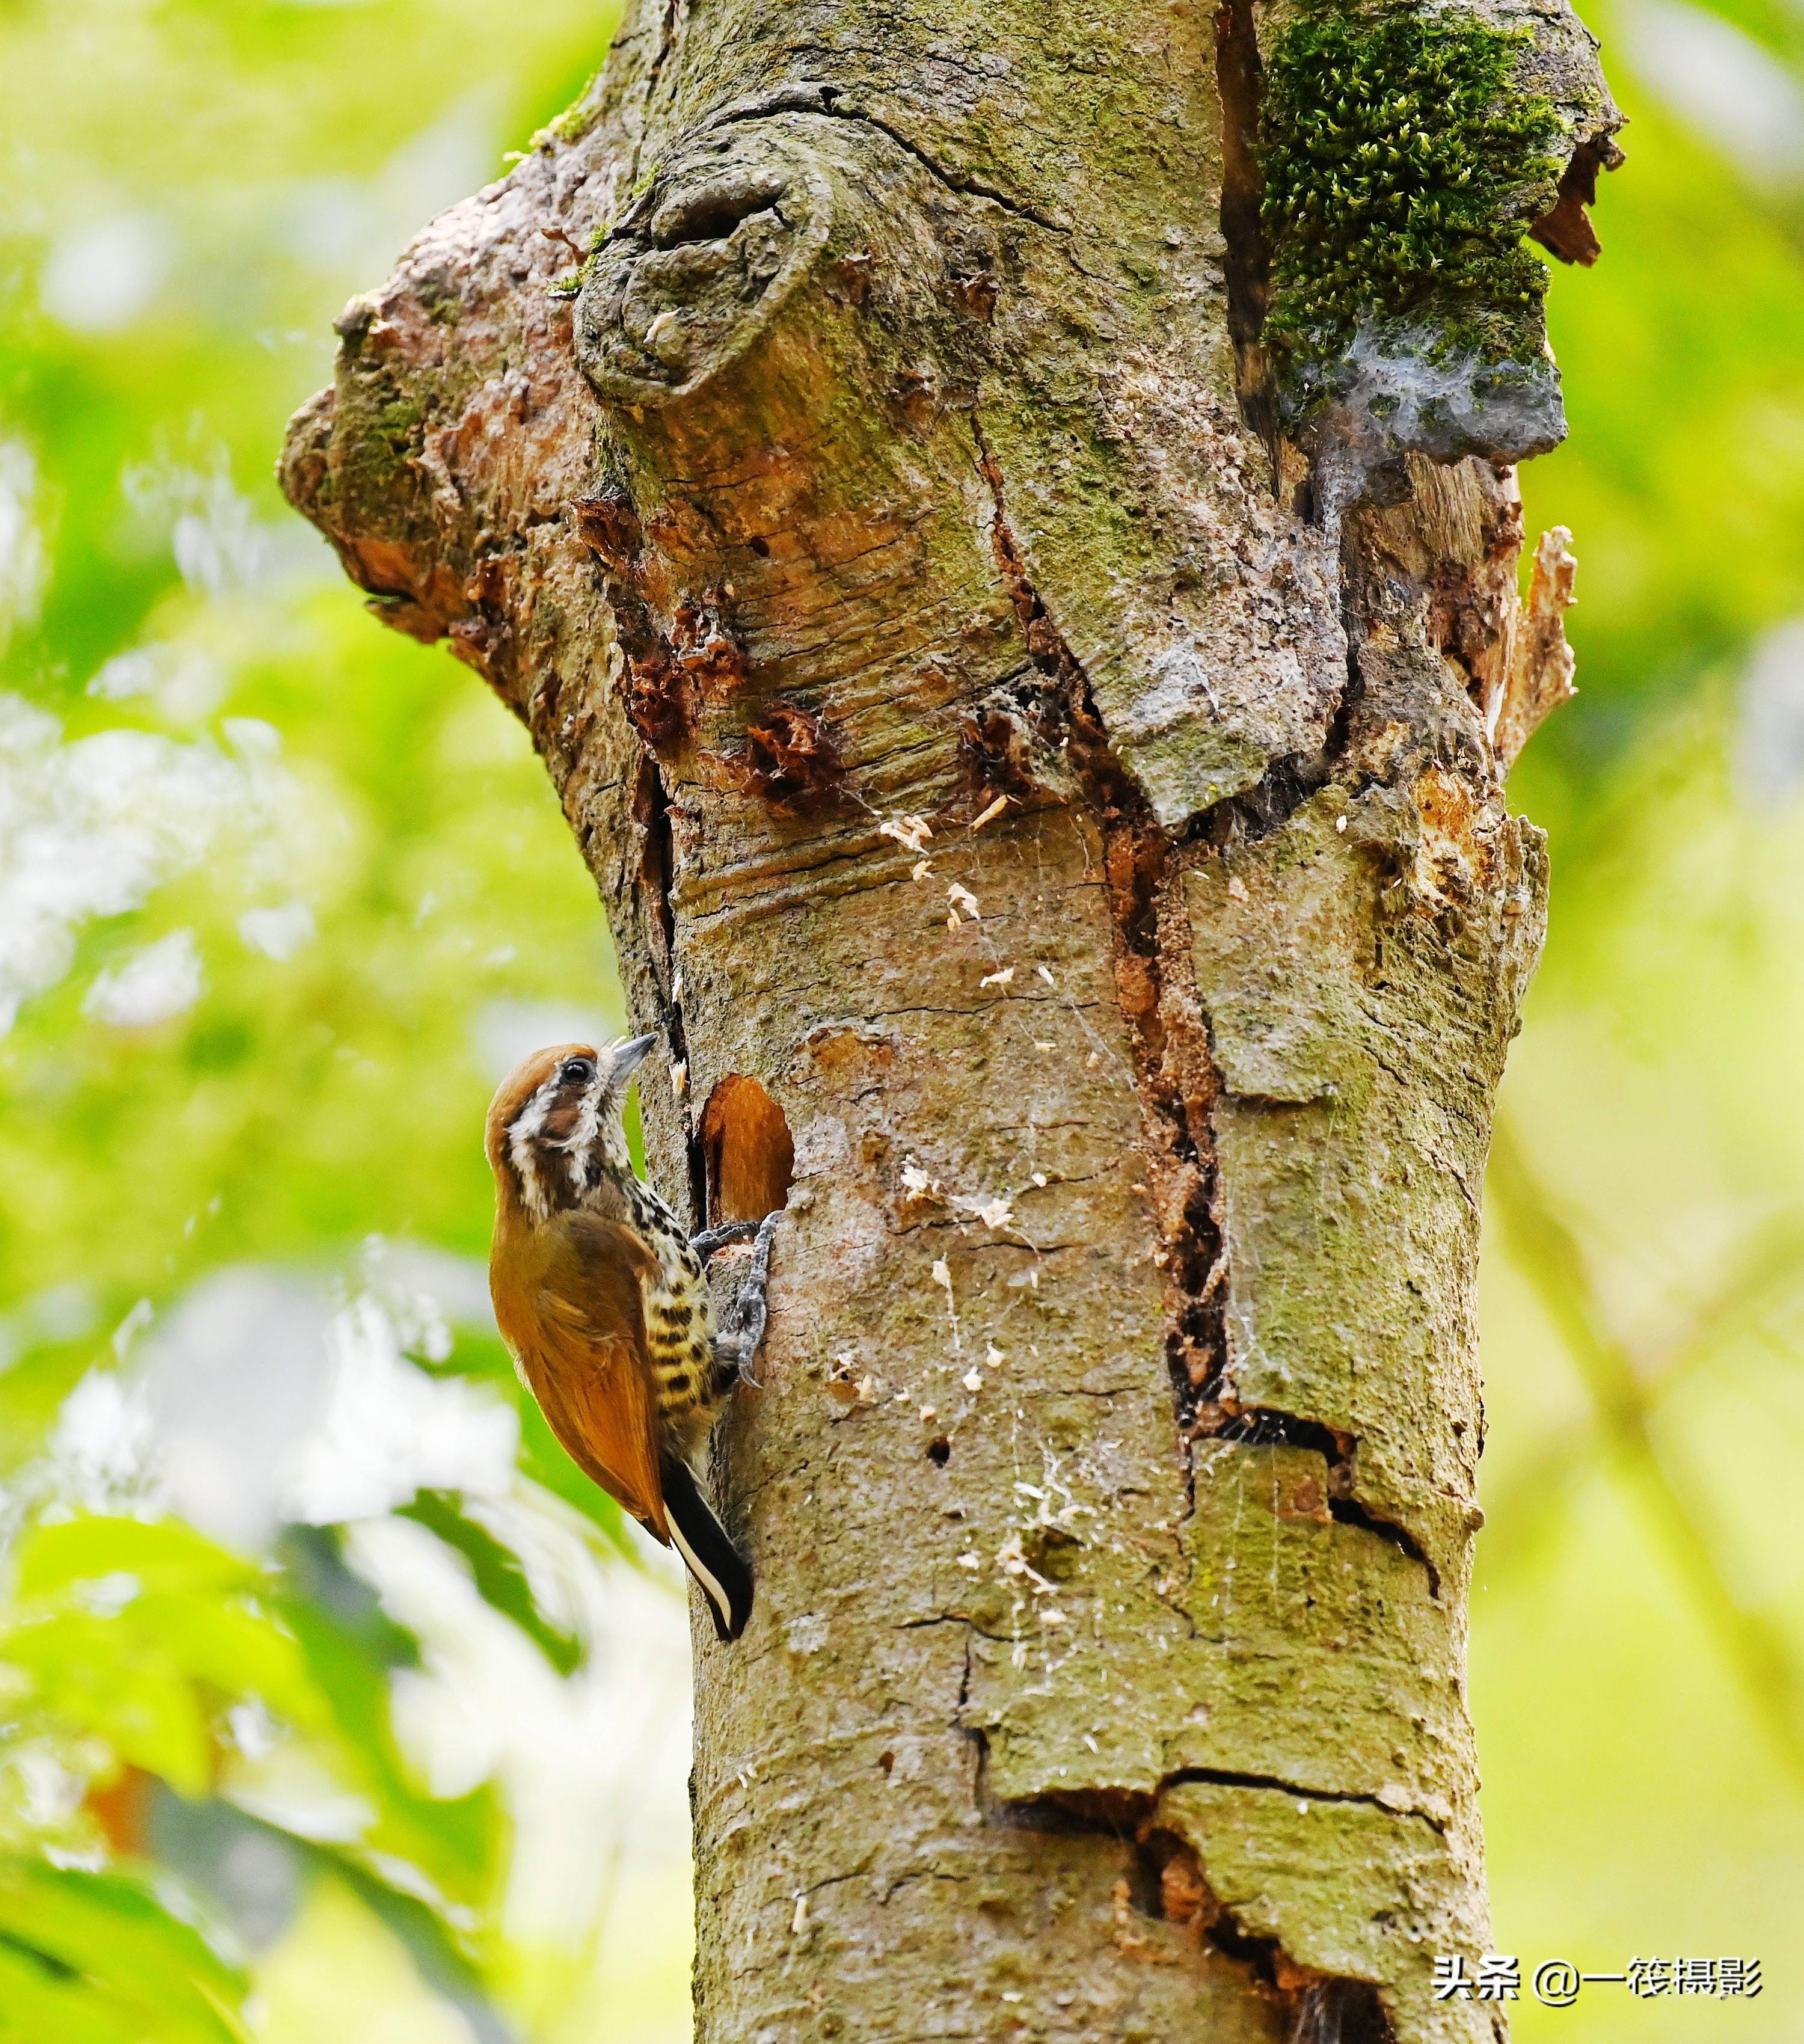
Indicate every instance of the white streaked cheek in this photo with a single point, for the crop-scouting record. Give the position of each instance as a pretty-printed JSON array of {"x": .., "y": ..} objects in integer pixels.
[
  {"x": 611, "y": 1133},
  {"x": 526, "y": 1126},
  {"x": 583, "y": 1139}
]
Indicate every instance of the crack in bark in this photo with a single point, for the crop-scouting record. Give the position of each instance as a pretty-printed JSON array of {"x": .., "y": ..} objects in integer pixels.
[
  {"x": 1166, "y": 1880},
  {"x": 822, "y": 100},
  {"x": 1288, "y": 783},
  {"x": 651, "y": 811},
  {"x": 1129, "y": 1812},
  {"x": 1178, "y": 1080},
  {"x": 1240, "y": 81},
  {"x": 1174, "y": 1069},
  {"x": 654, "y": 72},
  {"x": 1222, "y": 1419},
  {"x": 1226, "y": 1777}
]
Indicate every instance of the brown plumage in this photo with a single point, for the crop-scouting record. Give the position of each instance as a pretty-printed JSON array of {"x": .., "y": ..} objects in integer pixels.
[
  {"x": 602, "y": 1300},
  {"x": 569, "y": 1307}
]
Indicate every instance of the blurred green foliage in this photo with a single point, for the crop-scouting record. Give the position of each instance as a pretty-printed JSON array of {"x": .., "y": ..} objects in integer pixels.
[
  {"x": 97, "y": 1959},
  {"x": 347, "y": 891},
  {"x": 357, "y": 858},
  {"x": 1638, "y": 1621}
]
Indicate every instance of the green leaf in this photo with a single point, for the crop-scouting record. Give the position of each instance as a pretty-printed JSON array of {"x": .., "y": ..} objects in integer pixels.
[
  {"x": 163, "y": 1554},
  {"x": 198, "y": 1625},
  {"x": 133, "y": 1630},
  {"x": 501, "y": 1581},
  {"x": 40, "y": 1999},
  {"x": 99, "y": 1675},
  {"x": 314, "y": 1569},
  {"x": 441, "y": 1960},
  {"x": 454, "y": 1841},
  {"x": 105, "y": 1936}
]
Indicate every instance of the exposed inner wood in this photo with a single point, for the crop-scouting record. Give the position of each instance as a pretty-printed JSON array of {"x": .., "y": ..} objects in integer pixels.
[{"x": 750, "y": 1159}]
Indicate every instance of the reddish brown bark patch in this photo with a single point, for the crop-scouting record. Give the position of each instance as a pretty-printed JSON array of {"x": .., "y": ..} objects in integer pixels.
[
  {"x": 791, "y": 760},
  {"x": 608, "y": 526},
  {"x": 997, "y": 751},
  {"x": 706, "y": 649}
]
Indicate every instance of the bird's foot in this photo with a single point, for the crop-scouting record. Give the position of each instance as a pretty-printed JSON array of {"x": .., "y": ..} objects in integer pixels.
[
  {"x": 751, "y": 1309},
  {"x": 712, "y": 1239}
]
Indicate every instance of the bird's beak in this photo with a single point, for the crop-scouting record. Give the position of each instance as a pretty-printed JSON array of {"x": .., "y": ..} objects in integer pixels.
[{"x": 628, "y": 1057}]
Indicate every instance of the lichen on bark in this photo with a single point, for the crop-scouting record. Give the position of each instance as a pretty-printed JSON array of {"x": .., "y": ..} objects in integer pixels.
[{"x": 1090, "y": 865}]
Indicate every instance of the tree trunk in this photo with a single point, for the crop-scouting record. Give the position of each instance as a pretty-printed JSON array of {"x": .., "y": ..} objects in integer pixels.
[{"x": 939, "y": 543}]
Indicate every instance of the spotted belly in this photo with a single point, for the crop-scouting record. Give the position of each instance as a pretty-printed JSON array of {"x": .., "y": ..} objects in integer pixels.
[{"x": 679, "y": 1332}]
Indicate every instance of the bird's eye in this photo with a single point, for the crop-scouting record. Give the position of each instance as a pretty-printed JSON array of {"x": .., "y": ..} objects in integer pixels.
[{"x": 577, "y": 1071}]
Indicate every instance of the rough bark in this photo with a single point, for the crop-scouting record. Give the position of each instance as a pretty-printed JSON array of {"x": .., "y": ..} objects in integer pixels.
[{"x": 1053, "y": 809}]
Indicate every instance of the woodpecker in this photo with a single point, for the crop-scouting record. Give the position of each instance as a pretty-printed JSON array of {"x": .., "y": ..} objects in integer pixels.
[{"x": 600, "y": 1294}]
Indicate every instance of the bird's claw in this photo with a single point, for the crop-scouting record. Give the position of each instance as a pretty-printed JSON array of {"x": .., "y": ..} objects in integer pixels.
[
  {"x": 750, "y": 1310},
  {"x": 712, "y": 1239}
]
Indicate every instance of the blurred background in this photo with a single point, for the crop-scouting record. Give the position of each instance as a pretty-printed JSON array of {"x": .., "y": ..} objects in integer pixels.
[{"x": 331, "y": 1701}]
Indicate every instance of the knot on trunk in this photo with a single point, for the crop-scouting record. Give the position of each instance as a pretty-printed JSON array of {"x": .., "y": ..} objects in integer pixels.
[{"x": 695, "y": 270}]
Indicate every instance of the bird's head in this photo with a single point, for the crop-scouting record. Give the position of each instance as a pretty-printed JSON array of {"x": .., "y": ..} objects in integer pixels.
[{"x": 554, "y": 1126}]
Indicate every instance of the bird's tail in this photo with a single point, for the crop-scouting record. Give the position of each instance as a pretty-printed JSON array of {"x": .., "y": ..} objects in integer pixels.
[{"x": 712, "y": 1559}]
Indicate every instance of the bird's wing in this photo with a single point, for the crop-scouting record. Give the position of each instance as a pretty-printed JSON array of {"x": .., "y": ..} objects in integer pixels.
[{"x": 584, "y": 1357}]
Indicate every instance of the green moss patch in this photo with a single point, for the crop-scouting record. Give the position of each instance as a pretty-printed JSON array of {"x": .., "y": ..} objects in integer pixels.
[
  {"x": 1401, "y": 166},
  {"x": 574, "y": 122}
]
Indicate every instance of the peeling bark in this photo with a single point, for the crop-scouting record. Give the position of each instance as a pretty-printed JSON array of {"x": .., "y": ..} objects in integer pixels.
[{"x": 1071, "y": 858}]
